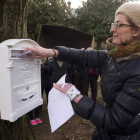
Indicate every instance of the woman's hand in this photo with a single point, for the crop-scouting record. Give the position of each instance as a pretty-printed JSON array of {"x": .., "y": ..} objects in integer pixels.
[
  {"x": 65, "y": 89},
  {"x": 40, "y": 52}
]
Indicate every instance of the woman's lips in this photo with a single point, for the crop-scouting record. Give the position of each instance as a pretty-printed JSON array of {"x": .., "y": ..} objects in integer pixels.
[{"x": 115, "y": 36}]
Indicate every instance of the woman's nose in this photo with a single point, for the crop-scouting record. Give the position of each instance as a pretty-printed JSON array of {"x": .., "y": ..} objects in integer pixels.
[{"x": 112, "y": 29}]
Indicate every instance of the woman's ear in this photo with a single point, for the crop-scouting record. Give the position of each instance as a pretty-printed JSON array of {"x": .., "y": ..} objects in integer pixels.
[{"x": 136, "y": 32}]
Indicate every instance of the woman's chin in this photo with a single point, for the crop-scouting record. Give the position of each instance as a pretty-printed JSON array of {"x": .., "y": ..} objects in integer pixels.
[{"x": 116, "y": 42}]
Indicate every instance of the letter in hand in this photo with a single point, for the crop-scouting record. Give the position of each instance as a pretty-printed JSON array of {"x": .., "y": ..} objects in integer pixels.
[{"x": 39, "y": 51}]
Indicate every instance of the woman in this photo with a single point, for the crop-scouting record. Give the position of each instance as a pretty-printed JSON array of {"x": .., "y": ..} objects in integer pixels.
[{"x": 120, "y": 77}]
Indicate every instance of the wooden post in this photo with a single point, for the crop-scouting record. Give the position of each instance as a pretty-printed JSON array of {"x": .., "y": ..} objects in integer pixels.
[{"x": 93, "y": 43}]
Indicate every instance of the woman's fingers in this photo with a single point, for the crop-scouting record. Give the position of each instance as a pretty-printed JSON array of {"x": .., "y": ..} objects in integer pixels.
[
  {"x": 65, "y": 89},
  {"x": 35, "y": 56},
  {"x": 40, "y": 52},
  {"x": 26, "y": 49},
  {"x": 58, "y": 87}
]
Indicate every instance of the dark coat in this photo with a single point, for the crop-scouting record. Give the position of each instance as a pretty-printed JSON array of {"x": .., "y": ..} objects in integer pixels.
[
  {"x": 120, "y": 87},
  {"x": 80, "y": 73},
  {"x": 56, "y": 72},
  {"x": 45, "y": 78}
]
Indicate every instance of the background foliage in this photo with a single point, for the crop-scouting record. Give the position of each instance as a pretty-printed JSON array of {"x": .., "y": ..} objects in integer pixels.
[
  {"x": 51, "y": 12},
  {"x": 95, "y": 17}
]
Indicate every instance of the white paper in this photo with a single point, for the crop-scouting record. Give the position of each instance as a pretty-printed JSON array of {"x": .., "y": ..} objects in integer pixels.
[
  {"x": 59, "y": 107},
  {"x": 23, "y": 55}
]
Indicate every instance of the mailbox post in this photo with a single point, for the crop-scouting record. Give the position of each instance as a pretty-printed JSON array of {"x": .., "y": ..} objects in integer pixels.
[{"x": 20, "y": 80}]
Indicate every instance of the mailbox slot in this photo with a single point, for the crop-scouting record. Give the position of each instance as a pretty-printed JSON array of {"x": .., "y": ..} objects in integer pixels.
[{"x": 15, "y": 53}]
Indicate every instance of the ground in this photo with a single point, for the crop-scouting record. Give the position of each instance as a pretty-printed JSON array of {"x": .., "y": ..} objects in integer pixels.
[{"x": 75, "y": 128}]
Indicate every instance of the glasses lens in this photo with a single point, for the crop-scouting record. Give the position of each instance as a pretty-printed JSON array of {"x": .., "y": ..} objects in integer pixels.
[
  {"x": 116, "y": 25},
  {"x": 113, "y": 24}
]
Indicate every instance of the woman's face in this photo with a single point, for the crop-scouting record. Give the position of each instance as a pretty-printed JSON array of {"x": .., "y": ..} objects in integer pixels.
[{"x": 124, "y": 34}]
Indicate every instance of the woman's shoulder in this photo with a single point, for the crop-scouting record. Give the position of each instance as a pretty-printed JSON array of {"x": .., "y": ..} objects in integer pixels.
[{"x": 130, "y": 67}]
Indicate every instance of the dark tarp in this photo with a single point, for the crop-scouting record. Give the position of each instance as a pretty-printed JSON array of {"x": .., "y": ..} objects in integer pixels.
[{"x": 50, "y": 36}]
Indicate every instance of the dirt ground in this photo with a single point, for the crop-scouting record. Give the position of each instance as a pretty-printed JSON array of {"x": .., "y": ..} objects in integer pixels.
[{"x": 76, "y": 128}]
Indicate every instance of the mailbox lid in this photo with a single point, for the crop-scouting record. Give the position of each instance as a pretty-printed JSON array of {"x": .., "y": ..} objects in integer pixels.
[
  {"x": 18, "y": 43},
  {"x": 14, "y": 47}
]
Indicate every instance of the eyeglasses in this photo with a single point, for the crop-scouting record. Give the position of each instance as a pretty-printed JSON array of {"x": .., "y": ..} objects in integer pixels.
[{"x": 118, "y": 25}]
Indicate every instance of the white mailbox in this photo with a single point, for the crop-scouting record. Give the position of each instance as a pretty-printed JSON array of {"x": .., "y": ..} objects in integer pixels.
[{"x": 20, "y": 80}]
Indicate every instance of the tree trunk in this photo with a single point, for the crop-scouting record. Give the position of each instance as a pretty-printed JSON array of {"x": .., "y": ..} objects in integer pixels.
[
  {"x": 13, "y": 19},
  {"x": 99, "y": 41},
  {"x": 13, "y": 24}
]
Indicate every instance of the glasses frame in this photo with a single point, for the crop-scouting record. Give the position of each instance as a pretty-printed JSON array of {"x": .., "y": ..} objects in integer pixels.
[{"x": 118, "y": 25}]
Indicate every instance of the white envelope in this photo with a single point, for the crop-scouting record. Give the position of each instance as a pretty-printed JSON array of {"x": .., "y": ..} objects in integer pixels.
[
  {"x": 23, "y": 55},
  {"x": 59, "y": 107}
]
